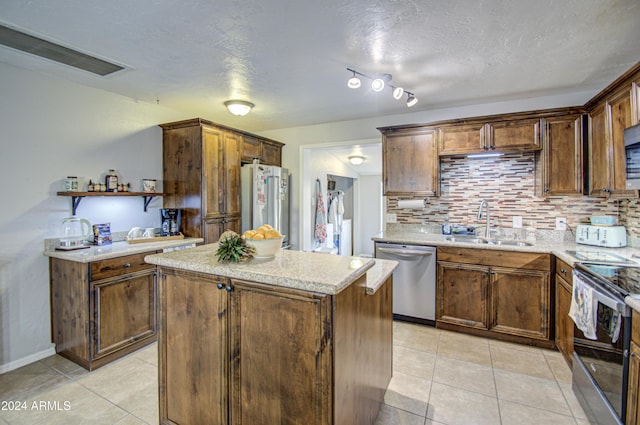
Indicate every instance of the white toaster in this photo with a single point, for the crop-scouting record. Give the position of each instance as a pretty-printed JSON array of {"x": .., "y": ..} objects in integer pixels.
[{"x": 607, "y": 236}]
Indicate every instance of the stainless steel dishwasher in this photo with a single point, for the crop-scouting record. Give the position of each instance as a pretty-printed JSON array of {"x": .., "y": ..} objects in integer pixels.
[{"x": 414, "y": 281}]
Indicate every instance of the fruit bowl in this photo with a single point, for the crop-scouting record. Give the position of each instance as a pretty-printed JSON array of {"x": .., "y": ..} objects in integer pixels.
[{"x": 265, "y": 248}]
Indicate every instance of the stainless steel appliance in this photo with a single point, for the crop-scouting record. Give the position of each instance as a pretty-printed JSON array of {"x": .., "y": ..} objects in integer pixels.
[
  {"x": 414, "y": 281},
  {"x": 632, "y": 152},
  {"x": 605, "y": 236},
  {"x": 264, "y": 193},
  {"x": 171, "y": 221},
  {"x": 601, "y": 365}
]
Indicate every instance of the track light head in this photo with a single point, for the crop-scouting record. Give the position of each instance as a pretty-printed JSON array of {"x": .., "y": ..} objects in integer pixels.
[
  {"x": 354, "y": 82},
  {"x": 377, "y": 84},
  {"x": 411, "y": 100},
  {"x": 398, "y": 92}
]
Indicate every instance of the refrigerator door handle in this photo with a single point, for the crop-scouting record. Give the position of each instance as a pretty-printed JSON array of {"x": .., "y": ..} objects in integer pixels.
[{"x": 276, "y": 202}]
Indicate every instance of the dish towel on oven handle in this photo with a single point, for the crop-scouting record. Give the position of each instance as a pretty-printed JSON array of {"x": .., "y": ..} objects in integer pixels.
[{"x": 584, "y": 307}]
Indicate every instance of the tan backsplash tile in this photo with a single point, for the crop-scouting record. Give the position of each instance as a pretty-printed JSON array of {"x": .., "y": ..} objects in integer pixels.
[{"x": 508, "y": 184}]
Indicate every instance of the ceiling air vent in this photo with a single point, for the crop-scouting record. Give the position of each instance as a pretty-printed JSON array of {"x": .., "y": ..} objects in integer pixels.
[{"x": 55, "y": 52}]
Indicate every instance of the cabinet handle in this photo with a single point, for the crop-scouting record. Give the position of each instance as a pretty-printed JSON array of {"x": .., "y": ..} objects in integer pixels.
[
  {"x": 127, "y": 265},
  {"x": 229, "y": 288},
  {"x": 563, "y": 271},
  {"x": 220, "y": 285}
]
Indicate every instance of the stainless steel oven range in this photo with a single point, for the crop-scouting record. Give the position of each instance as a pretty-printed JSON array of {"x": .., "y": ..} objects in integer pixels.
[{"x": 601, "y": 365}]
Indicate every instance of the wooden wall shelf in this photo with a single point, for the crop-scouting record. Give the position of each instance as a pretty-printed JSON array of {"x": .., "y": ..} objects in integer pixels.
[{"x": 76, "y": 197}]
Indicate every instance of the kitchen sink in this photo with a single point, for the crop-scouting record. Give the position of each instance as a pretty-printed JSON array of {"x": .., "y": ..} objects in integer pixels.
[
  {"x": 478, "y": 240},
  {"x": 513, "y": 243},
  {"x": 465, "y": 239}
]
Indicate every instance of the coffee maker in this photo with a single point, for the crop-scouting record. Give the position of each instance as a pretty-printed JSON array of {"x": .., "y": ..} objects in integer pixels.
[{"x": 171, "y": 219}]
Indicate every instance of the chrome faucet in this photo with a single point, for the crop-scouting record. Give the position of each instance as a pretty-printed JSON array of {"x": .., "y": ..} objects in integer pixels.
[{"x": 485, "y": 204}]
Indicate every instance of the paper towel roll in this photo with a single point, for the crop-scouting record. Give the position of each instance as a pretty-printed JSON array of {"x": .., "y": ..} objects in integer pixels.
[{"x": 411, "y": 204}]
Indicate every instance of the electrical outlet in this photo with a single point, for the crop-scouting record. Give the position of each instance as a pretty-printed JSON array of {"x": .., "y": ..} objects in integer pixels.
[
  {"x": 517, "y": 222},
  {"x": 561, "y": 223},
  {"x": 392, "y": 218}
]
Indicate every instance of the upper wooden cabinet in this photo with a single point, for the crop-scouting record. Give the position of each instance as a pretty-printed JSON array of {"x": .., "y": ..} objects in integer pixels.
[
  {"x": 479, "y": 135},
  {"x": 560, "y": 166},
  {"x": 201, "y": 170},
  {"x": 409, "y": 162},
  {"x": 610, "y": 113},
  {"x": 269, "y": 152}
]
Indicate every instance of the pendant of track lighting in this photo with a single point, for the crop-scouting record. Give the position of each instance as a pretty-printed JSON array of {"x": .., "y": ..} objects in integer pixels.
[
  {"x": 411, "y": 100},
  {"x": 378, "y": 83}
]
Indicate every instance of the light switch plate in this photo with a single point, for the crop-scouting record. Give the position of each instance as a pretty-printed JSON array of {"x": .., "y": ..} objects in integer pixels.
[
  {"x": 517, "y": 222},
  {"x": 561, "y": 223},
  {"x": 392, "y": 218}
]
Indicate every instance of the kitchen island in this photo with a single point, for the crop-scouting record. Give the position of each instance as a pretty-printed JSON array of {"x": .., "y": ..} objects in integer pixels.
[{"x": 302, "y": 338}]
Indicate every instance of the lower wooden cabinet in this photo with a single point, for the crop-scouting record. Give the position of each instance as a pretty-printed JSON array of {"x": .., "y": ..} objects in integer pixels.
[
  {"x": 564, "y": 324},
  {"x": 239, "y": 352},
  {"x": 498, "y": 294},
  {"x": 633, "y": 394},
  {"x": 102, "y": 310}
]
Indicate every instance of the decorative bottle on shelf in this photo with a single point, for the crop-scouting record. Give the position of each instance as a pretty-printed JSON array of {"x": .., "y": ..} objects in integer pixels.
[{"x": 111, "y": 181}]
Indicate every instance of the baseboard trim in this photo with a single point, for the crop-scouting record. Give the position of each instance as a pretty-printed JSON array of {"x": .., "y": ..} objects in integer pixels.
[{"x": 8, "y": 367}]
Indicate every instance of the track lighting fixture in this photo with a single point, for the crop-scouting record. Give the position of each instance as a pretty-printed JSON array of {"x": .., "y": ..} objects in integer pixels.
[
  {"x": 239, "y": 107},
  {"x": 378, "y": 84}
]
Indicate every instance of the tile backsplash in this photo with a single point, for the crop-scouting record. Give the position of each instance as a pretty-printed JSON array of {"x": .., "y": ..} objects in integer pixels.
[{"x": 508, "y": 184}]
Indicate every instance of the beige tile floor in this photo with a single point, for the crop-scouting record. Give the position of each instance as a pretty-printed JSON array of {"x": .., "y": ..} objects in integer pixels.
[{"x": 440, "y": 377}]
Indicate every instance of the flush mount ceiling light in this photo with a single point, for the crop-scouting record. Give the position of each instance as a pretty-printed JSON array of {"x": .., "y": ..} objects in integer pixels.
[
  {"x": 239, "y": 107},
  {"x": 356, "y": 159},
  {"x": 378, "y": 84}
]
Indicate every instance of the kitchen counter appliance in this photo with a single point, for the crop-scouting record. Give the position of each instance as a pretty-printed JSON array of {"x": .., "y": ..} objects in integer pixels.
[
  {"x": 414, "y": 281},
  {"x": 601, "y": 366},
  {"x": 605, "y": 236}
]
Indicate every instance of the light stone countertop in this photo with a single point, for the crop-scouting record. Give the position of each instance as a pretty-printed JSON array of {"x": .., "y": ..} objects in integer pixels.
[
  {"x": 557, "y": 248},
  {"x": 322, "y": 273},
  {"x": 116, "y": 249}
]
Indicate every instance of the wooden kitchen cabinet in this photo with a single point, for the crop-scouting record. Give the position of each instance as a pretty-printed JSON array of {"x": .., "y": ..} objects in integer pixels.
[
  {"x": 482, "y": 134},
  {"x": 519, "y": 135},
  {"x": 102, "y": 310},
  {"x": 462, "y": 139},
  {"x": 250, "y": 353},
  {"x": 561, "y": 164},
  {"x": 564, "y": 324},
  {"x": 409, "y": 162},
  {"x": 215, "y": 227},
  {"x": 633, "y": 394},
  {"x": 492, "y": 293},
  {"x": 462, "y": 295},
  {"x": 201, "y": 169},
  {"x": 611, "y": 112},
  {"x": 269, "y": 152}
]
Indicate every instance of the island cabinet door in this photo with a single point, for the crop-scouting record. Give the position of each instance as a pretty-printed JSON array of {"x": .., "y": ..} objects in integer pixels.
[
  {"x": 280, "y": 356},
  {"x": 193, "y": 349}
]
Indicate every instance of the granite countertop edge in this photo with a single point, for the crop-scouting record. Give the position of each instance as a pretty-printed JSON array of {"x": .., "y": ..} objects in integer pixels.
[
  {"x": 116, "y": 249},
  {"x": 321, "y": 273}
]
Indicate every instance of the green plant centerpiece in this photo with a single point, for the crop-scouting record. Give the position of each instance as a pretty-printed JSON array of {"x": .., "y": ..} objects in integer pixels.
[{"x": 232, "y": 248}]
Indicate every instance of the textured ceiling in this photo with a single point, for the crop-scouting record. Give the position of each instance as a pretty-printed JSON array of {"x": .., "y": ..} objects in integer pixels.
[{"x": 289, "y": 57}]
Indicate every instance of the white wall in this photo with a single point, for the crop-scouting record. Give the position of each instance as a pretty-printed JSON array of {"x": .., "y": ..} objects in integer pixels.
[
  {"x": 370, "y": 212},
  {"x": 50, "y": 129},
  {"x": 53, "y": 128}
]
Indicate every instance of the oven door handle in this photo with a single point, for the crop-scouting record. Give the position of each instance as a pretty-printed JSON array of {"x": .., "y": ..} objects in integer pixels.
[
  {"x": 405, "y": 252},
  {"x": 600, "y": 293}
]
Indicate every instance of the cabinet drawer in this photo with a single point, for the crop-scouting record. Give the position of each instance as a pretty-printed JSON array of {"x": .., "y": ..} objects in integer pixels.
[
  {"x": 486, "y": 257},
  {"x": 564, "y": 270},
  {"x": 121, "y": 265}
]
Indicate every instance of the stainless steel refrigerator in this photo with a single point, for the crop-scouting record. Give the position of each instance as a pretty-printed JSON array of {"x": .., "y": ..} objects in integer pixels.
[{"x": 265, "y": 197}]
